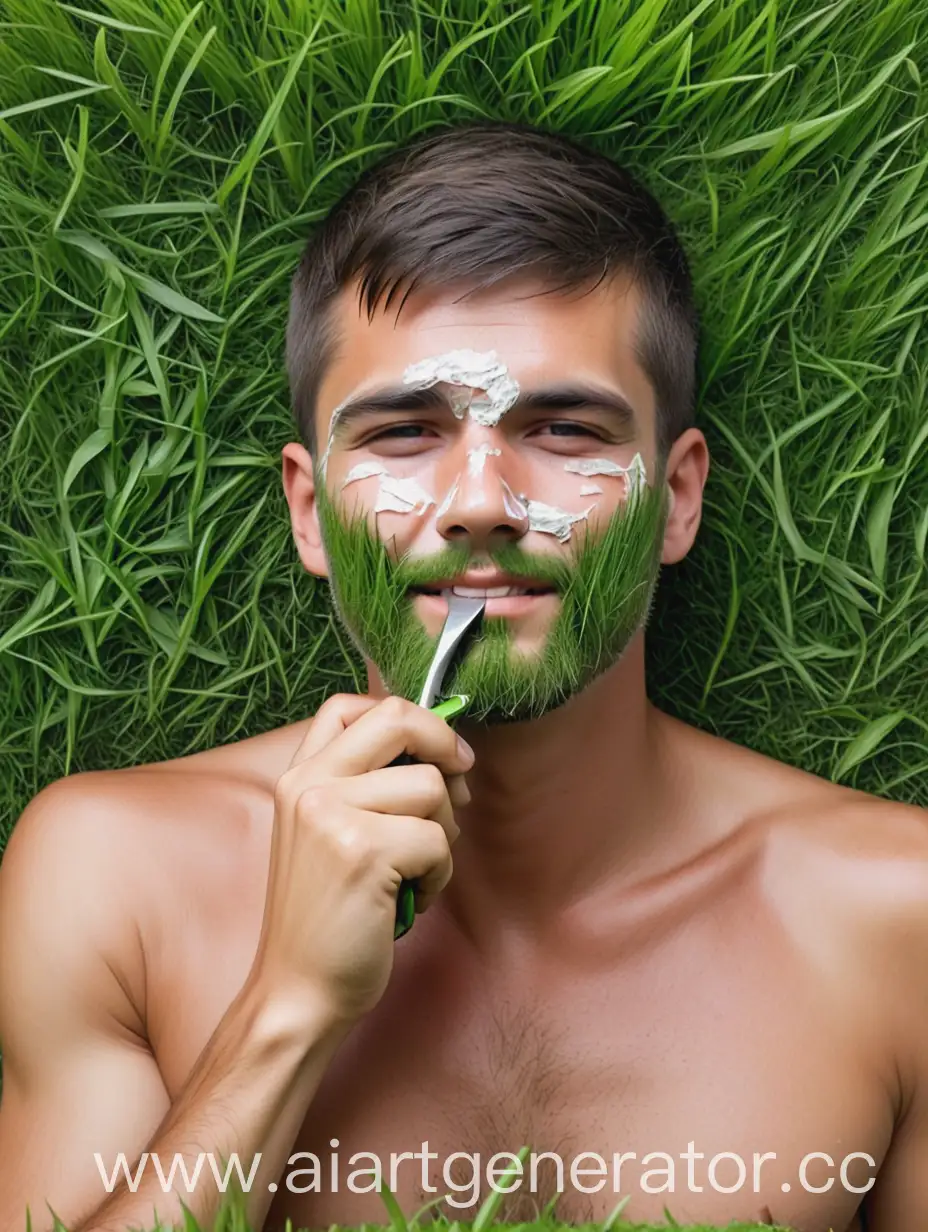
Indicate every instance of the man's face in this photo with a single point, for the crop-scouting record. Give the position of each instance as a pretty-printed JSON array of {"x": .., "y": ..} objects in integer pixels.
[{"x": 511, "y": 420}]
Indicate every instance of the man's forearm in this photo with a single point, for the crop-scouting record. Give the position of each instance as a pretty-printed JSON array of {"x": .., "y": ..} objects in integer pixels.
[{"x": 247, "y": 1095}]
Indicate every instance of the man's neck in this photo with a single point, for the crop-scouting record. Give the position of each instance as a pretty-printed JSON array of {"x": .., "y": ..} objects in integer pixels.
[{"x": 565, "y": 802}]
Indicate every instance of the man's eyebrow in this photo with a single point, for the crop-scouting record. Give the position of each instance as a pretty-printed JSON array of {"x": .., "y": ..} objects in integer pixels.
[{"x": 573, "y": 396}]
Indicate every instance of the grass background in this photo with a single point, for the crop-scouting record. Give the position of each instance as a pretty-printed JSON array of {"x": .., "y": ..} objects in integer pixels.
[{"x": 161, "y": 166}]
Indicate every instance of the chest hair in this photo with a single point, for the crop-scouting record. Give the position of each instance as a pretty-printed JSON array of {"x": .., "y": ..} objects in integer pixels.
[{"x": 515, "y": 1088}]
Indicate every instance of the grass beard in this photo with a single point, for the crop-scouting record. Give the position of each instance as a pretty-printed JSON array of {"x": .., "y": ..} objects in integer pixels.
[{"x": 606, "y": 587}]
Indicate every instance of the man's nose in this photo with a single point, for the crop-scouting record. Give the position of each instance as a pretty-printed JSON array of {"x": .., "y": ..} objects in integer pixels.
[{"x": 480, "y": 505}]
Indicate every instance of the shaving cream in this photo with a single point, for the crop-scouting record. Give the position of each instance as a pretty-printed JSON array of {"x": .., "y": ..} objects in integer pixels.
[
  {"x": 363, "y": 470},
  {"x": 634, "y": 474},
  {"x": 475, "y": 370},
  {"x": 590, "y": 489},
  {"x": 402, "y": 496},
  {"x": 550, "y": 520},
  {"x": 394, "y": 495},
  {"x": 477, "y": 459}
]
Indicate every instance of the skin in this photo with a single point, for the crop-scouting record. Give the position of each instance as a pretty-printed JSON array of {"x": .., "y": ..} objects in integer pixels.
[{"x": 651, "y": 936}]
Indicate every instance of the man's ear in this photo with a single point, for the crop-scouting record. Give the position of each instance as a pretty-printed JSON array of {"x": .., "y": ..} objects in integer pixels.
[
  {"x": 685, "y": 474},
  {"x": 300, "y": 489}
]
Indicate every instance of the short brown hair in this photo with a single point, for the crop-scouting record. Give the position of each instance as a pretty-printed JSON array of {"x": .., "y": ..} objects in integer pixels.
[{"x": 481, "y": 202}]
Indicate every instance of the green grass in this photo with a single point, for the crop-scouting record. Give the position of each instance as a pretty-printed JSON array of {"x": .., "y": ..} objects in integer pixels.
[
  {"x": 161, "y": 165},
  {"x": 232, "y": 1217}
]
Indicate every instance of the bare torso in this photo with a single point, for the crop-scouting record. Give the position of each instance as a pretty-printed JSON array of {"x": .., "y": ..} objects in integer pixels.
[{"x": 733, "y": 1003}]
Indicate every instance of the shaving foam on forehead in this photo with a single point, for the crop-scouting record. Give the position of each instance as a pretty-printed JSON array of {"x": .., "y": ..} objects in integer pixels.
[
  {"x": 333, "y": 423},
  {"x": 550, "y": 520},
  {"x": 474, "y": 370}
]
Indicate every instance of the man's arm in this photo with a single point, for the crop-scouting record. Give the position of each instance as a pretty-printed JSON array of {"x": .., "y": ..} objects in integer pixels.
[
  {"x": 348, "y": 828},
  {"x": 79, "y": 1078}
]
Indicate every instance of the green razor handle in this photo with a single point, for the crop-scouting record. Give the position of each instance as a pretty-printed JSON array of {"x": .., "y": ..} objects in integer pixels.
[
  {"x": 463, "y": 619},
  {"x": 405, "y": 899}
]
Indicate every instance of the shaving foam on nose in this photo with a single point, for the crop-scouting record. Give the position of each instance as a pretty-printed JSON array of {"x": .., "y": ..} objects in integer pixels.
[{"x": 477, "y": 459}]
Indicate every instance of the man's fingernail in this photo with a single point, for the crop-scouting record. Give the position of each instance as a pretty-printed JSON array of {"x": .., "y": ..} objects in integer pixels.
[{"x": 465, "y": 752}]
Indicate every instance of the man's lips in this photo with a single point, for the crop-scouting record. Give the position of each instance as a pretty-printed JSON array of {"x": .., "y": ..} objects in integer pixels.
[
  {"x": 486, "y": 588},
  {"x": 506, "y": 598}
]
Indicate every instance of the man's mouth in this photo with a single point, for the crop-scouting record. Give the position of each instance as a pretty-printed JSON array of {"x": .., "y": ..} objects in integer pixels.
[
  {"x": 484, "y": 592},
  {"x": 505, "y": 597}
]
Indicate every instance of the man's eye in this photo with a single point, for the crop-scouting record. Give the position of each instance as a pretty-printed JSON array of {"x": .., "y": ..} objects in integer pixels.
[
  {"x": 570, "y": 428},
  {"x": 409, "y": 431}
]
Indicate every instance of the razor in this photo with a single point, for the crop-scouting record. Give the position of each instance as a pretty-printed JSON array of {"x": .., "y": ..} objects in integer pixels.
[{"x": 462, "y": 621}]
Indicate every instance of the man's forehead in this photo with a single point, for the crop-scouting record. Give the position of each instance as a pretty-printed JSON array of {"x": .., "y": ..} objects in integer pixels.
[{"x": 540, "y": 337}]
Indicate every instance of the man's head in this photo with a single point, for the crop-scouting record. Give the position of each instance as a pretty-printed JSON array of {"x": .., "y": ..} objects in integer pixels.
[{"x": 492, "y": 349}]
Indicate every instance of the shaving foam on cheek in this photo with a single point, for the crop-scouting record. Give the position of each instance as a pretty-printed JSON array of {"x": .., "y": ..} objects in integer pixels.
[
  {"x": 634, "y": 474},
  {"x": 394, "y": 495},
  {"x": 363, "y": 470},
  {"x": 402, "y": 496},
  {"x": 550, "y": 520}
]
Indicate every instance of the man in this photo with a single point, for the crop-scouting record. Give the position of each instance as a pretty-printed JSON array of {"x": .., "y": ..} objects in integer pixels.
[{"x": 678, "y": 971}]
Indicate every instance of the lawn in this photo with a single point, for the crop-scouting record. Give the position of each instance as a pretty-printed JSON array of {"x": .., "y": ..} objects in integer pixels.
[{"x": 160, "y": 167}]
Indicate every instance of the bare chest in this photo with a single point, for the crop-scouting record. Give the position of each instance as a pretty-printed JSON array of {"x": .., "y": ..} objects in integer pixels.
[
  {"x": 705, "y": 1070},
  {"x": 705, "y": 1109}
]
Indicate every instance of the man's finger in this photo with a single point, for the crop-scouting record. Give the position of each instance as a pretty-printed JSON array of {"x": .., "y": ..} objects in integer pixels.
[
  {"x": 332, "y": 718},
  {"x": 390, "y": 729},
  {"x": 403, "y": 791}
]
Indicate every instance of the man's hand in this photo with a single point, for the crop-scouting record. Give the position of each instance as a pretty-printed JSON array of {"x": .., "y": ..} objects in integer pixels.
[{"x": 348, "y": 828}]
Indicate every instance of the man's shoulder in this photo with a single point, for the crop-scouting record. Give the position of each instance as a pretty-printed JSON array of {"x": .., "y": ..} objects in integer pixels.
[
  {"x": 116, "y": 838},
  {"x": 826, "y": 850},
  {"x": 120, "y": 811},
  {"x": 858, "y": 836},
  {"x": 849, "y": 871}
]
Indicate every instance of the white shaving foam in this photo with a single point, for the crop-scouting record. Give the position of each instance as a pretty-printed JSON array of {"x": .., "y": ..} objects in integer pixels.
[
  {"x": 476, "y": 370},
  {"x": 363, "y": 470},
  {"x": 402, "y": 496},
  {"x": 333, "y": 422},
  {"x": 460, "y": 399},
  {"x": 393, "y": 495},
  {"x": 550, "y": 520},
  {"x": 590, "y": 489},
  {"x": 477, "y": 459},
  {"x": 633, "y": 474}
]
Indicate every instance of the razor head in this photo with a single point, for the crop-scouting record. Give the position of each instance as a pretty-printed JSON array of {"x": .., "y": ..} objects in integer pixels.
[{"x": 462, "y": 621}]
